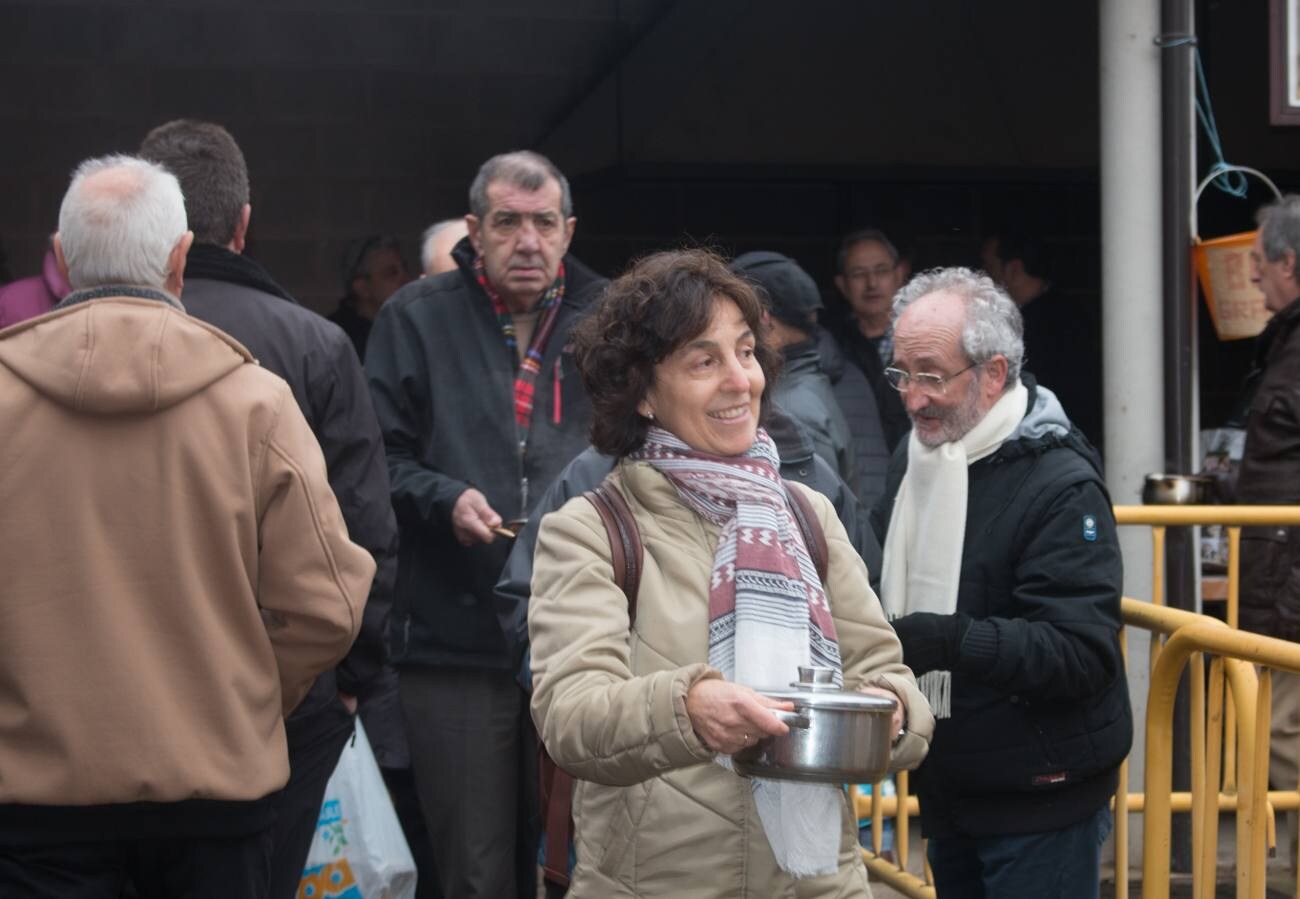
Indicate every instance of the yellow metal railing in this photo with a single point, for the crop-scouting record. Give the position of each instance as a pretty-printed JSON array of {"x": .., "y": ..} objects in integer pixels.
[
  {"x": 1236, "y": 649},
  {"x": 901, "y": 808},
  {"x": 1229, "y": 730},
  {"x": 1234, "y": 518},
  {"x": 1214, "y": 752}
]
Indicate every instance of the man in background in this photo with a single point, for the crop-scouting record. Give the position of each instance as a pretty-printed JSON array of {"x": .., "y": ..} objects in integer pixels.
[
  {"x": 373, "y": 269},
  {"x": 231, "y": 291},
  {"x": 437, "y": 243},
  {"x": 1270, "y": 470},
  {"x": 803, "y": 390},
  {"x": 481, "y": 408},
  {"x": 29, "y": 297},
  {"x": 869, "y": 273},
  {"x": 1063, "y": 331}
]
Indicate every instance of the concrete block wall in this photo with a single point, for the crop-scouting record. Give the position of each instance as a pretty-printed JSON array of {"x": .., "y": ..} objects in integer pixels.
[{"x": 355, "y": 116}]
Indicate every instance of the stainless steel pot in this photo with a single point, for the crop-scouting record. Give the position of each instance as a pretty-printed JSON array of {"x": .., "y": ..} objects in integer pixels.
[
  {"x": 1178, "y": 490},
  {"x": 835, "y": 736}
]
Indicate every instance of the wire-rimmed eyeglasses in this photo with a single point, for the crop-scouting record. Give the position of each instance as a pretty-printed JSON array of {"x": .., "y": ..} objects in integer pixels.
[{"x": 929, "y": 384}]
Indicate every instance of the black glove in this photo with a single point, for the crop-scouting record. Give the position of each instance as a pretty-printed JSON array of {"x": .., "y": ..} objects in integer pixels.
[{"x": 931, "y": 642}]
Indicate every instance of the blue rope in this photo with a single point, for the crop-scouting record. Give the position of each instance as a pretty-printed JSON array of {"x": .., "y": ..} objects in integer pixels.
[{"x": 1230, "y": 182}]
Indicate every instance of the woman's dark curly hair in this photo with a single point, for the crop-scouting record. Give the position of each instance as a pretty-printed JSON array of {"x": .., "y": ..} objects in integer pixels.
[{"x": 662, "y": 303}]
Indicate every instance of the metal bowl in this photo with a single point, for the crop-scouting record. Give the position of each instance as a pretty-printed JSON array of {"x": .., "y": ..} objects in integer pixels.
[
  {"x": 1178, "y": 490},
  {"x": 835, "y": 736}
]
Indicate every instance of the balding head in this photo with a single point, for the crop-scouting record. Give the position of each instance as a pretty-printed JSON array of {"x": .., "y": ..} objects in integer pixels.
[
  {"x": 439, "y": 238},
  {"x": 122, "y": 222}
]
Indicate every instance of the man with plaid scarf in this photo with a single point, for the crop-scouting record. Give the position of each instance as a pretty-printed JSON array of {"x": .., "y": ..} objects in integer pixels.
[{"x": 481, "y": 408}]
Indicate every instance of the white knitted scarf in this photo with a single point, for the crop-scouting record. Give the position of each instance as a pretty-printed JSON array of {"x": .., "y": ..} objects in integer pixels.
[{"x": 927, "y": 528}]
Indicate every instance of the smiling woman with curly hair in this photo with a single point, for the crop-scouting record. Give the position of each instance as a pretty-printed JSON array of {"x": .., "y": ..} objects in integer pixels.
[{"x": 647, "y": 713}]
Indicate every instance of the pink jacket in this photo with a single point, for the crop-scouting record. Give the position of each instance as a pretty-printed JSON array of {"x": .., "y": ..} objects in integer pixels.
[{"x": 30, "y": 297}]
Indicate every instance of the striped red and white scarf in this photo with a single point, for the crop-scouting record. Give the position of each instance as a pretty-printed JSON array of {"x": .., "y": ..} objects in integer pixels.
[
  {"x": 765, "y": 593},
  {"x": 768, "y": 614}
]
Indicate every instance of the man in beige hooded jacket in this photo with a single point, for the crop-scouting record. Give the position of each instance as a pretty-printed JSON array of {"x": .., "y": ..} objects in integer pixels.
[{"x": 176, "y": 570}]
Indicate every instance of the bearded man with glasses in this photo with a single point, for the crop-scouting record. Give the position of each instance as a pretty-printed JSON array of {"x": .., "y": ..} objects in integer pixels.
[{"x": 1003, "y": 574}]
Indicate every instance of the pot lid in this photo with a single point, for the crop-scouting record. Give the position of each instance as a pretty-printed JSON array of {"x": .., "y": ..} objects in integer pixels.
[{"x": 815, "y": 688}]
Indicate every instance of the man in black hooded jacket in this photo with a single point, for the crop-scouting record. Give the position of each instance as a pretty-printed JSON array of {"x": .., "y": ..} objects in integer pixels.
[
  {"x": 1003, "y": 568},
  {"x": 229, "y": 290}
]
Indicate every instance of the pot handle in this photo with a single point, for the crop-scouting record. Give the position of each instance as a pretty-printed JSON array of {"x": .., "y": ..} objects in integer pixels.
[{"x": 792, "y": 719}]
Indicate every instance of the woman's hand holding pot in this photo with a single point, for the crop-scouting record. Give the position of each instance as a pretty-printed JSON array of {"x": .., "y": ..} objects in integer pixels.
[
  {"x": 899, "y": 719},
  {"x": 727, "y": 717}
]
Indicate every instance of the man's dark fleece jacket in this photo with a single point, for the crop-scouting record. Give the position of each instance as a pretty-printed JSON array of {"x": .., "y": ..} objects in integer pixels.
[
  {"x": 1040, "y": 707},
  {"x": 235, "y": 294}
]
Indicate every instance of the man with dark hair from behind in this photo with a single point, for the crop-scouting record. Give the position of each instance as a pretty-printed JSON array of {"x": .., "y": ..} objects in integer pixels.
[{"x": 229, "y": 290}]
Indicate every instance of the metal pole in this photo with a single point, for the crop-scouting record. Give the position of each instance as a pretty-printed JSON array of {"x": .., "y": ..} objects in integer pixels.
[
  {"x": 1133, "y": 377},
  {"x": 1178, "y": 182}
]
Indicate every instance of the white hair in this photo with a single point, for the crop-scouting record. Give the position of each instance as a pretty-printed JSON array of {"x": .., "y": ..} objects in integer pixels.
[
  {"x": 993, "y": 324},
  {"x": 120, "y": 229},
  {"x": 426, "y": 241}
]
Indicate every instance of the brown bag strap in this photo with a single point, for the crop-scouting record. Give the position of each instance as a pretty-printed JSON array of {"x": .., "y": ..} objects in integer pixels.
[
  {"x": 813, "y": 535},
  {"x": 628, "y": 552},
  {"x": 557, "y": 806},
  {"x": 624, "y": 541},
  {"x": 627, "y": 556}
]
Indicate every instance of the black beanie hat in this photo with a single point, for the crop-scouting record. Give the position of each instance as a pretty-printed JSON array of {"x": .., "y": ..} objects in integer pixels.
[{"x": 789, "y": 292}]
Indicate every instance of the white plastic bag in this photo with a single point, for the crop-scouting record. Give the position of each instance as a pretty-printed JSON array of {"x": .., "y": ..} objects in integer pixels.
[{"x": 359, "y": 851}]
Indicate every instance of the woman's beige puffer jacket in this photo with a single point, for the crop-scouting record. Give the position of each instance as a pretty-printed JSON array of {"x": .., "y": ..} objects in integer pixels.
[{"x": 655, "y": 815}]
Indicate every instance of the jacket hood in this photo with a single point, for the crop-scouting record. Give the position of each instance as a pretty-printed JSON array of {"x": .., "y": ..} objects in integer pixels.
[
  {"x": 832, "y": 357},
  {"x": 1046, "y": 426},
  {"x": 800, "y": 357},
  {"x": 1044, "y": 417},
  {"x": 119, "y": 355}
]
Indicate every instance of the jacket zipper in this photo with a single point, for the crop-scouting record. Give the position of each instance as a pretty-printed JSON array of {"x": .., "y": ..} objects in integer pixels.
[{"x": 557, "y": 382}]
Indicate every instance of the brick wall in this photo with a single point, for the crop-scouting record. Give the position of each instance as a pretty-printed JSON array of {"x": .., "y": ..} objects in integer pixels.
[{"x": 355, "y": 116}]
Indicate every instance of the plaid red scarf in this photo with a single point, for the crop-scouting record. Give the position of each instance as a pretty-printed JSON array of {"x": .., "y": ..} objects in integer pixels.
[{"x": 526, "y": 376}]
